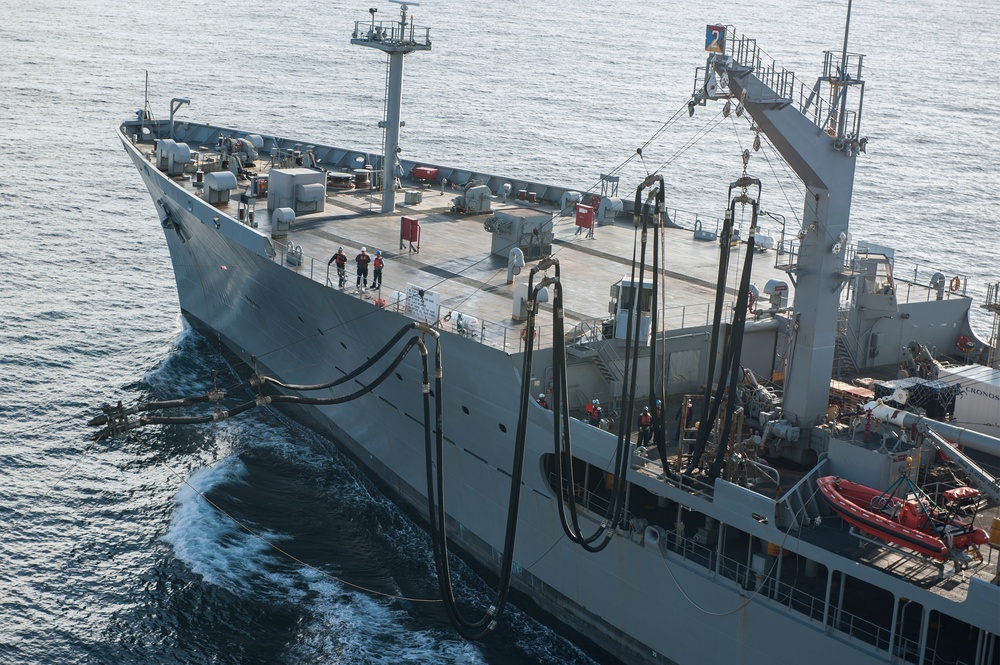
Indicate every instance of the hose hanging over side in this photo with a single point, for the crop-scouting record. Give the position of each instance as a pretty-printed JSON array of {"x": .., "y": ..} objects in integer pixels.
[
  {"x": 704, "y": 424},
  {"x": 563, "y": 451},
  {"x": 257, "y": 381},
  {"x": 733, "y": 341},
  {"x": 738, "y": 327},
  {"x": 437, "y": 514},
  {"x": 117, "y": 419}
]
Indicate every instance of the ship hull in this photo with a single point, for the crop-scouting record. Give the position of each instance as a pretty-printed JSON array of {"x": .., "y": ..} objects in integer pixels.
[{"x": 637, "y": 599}]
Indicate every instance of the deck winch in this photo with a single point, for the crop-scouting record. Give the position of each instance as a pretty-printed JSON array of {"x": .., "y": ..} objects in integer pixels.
[{"x": 218, "y": 186}]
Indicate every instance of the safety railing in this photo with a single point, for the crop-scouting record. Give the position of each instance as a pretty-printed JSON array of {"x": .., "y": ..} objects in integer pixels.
[
  {"x": 784, "y": 594},
  {"x": 923, "y": 283},
  {"x": 391, "y": 32},
  {"x": 587, "y": 499},
  {"x": 507, "y": 338},
  {"x": 510, "y": 339},
  {"x": 788, "y": 89}
]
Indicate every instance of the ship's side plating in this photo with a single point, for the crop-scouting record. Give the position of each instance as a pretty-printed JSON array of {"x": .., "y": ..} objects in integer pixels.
[{"x": 638, "y": 598}]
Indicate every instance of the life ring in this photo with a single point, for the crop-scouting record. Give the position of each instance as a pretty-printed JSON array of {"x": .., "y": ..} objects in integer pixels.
[
  {"x": 750, "y": 302},
  {"x": 956, "y": 283},
  {"x": 524, "y": 333},
  {"x": 965, "y": 344},
  {"x": 595, "y": 202}
]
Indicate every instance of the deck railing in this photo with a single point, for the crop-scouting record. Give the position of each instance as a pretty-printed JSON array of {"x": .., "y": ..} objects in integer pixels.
[
  {"x": 502, "y": 336},
  {"x": 814, "y": 608}
]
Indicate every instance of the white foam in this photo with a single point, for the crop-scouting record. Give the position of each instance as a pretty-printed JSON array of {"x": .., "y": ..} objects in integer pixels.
[
  {"x": 209, "y": 542},
  {"x": 354, "y": 627},
  {"x": 343, "y": 624}
]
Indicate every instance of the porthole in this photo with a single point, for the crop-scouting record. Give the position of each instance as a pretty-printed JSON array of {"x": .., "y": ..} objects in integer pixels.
[
  {"x": 503, "y": 428},
  {"x": 465, "y": 410},
  {"x": 343, "y": 345},
  {"x": 398, "y": 376}
]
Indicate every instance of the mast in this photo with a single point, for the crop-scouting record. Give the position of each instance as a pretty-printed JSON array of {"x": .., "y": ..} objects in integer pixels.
[
  {"x": 396, "y": 38},
  {"x": 816, "y": 129}
]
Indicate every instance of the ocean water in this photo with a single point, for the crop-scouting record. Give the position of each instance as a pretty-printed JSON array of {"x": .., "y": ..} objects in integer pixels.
[{"x": 111, "y": 552}]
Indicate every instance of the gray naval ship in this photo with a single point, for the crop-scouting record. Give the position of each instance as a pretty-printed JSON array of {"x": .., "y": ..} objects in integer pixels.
[{"x": 700, "y": 533}]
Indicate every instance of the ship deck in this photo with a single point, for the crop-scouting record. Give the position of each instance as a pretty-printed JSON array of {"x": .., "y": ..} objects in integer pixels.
[{"x": 455, "y": 259}]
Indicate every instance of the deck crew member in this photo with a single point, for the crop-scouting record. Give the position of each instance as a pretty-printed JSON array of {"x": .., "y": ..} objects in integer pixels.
[
  {"x": 341, "y": 260},
  {"x": 377, "y": 265},
  {"x": 363, "y": 260},
  {"x": 645, "y": 427},
  {"x": 541, "y": 401},
  {"x": 595, "y": 413}
]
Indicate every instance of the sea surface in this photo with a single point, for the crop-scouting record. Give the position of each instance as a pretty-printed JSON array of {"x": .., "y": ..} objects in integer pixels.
[{"x": 131, "y": 550}]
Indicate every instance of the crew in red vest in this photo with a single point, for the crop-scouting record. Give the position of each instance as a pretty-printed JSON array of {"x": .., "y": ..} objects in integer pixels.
[
  {"x": 341, "y": 260},
  {"x": 595, "y": 413},
  {"x": 541, "y": 401},
  {"x": 645, "y": 427},
  {"x": 377, "y": 265}
]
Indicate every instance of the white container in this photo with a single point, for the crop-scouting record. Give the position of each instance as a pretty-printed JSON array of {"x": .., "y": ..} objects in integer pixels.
[{"x": 977, "y": 405}]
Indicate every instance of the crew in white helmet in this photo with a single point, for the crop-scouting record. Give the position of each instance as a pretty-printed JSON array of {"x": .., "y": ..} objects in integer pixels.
[{"x": 363, "y": 260}]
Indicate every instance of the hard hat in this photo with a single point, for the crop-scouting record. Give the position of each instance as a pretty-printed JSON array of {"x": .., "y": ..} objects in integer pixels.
[
  {"x": 596, "y": 402},
  {"x": 340, "y": 249},
  {"x": 541, "y": 395},
  {"x": 378, "y": 252},
  {"x": 364, "y": 249},
  {"x": 658, "y": 402},
  {"x": 645, "y": 409}
]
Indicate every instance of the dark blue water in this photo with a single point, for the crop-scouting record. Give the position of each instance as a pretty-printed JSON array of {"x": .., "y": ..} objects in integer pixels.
[{"x": 108, "y": 556}]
